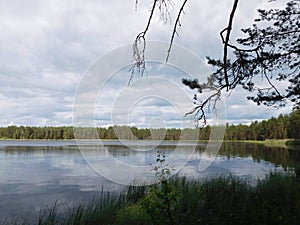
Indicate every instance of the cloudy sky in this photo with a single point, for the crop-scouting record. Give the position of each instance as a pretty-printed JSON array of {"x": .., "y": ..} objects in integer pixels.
[{"x": 47, "y": 49}]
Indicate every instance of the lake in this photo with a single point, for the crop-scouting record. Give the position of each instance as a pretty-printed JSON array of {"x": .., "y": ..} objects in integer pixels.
[{"x": 34, "y": 174}]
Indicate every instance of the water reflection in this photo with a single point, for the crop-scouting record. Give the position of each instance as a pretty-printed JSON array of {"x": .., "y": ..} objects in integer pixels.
[
  {"x": 38, "y": 173},
  {"x": 279, "y": 156}
]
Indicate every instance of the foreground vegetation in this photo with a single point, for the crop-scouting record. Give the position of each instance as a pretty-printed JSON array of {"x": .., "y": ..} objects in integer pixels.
[{"x": 275, "y": 200}]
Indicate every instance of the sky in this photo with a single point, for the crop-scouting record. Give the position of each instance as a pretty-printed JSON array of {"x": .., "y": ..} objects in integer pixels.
[{"x": 49, "y": 48}]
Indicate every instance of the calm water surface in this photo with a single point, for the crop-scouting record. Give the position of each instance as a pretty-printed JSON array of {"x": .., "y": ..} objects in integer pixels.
[{"x": 38, "y": 173}]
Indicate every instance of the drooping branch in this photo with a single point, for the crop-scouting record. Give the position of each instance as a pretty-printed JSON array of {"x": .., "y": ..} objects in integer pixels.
[
  {"x": 198, "y": 112},
  {"x": 271, "y": 51},
  {"x": 272, "y": 85},
  {"x": 226, "y": 41},
  {"x": 177, "y": 23},
  {"x": 139, "y": 46}
]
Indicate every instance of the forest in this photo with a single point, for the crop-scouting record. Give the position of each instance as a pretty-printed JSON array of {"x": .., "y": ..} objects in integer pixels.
[{"x": 282, "y": 127}]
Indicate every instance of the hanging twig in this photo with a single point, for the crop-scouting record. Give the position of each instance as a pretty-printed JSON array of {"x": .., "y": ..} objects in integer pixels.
[
  {"x": 177, "y": 22},
  {"x": 139, "y": 52}
]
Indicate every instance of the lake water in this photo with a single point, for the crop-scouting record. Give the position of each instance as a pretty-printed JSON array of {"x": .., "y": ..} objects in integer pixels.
[{"x": 38, "y": 173}]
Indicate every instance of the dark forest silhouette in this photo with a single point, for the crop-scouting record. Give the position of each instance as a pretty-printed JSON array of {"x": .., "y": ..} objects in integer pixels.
[{"x": 282, "y": 127}]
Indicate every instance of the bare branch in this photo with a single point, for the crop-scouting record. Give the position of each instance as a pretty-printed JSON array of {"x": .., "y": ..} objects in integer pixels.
[
  {"x": 271, "y": 84},
  {"x": 226, "y": 41},
  {"x": 198, "y": 111},
  {"x": 177, "y": 22},
  {"x": 139, "y": 46}
]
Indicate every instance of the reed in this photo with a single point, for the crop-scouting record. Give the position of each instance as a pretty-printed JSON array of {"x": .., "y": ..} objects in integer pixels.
[{"x": 273, "y": 200}]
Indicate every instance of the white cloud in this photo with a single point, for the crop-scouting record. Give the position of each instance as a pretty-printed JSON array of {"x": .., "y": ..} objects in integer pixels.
[
  {"x": 239, "y": 110},
  {"x": 46, "y": 46}
]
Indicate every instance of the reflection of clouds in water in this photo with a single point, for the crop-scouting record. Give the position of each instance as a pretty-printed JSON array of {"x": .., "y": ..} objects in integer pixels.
[
  {"x": 65, "y": 166},
  {"x": 245, "y": 168},
  {"x": 191, "y": 170},
  {"x": 19, "y": 171},
  {"x": 31, "y": 173},
  {"x": 93, "y": 183},
  {"x": 73, "y": 167},
  {"x": 42, "y": 175}
]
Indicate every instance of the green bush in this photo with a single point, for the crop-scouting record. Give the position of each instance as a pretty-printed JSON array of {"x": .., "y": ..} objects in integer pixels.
[{"x": 132, "y": 215}]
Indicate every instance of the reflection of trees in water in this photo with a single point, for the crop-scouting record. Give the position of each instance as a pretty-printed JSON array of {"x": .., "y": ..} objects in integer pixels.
[
  {"x": 287, "y": 158},
  {"x": 133, "y": 150},
  {"x": 33, "y": 150}
]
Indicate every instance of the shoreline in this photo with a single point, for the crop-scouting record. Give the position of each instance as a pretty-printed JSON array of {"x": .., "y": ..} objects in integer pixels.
[{"x": 268, "y": 142}]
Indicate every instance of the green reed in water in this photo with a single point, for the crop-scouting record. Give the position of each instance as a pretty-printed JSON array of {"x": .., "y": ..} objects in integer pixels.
[{"x": 274, "y": 200}]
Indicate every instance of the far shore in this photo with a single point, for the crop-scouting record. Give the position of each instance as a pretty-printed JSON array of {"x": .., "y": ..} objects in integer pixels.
[{"x": 268, "y": 142}]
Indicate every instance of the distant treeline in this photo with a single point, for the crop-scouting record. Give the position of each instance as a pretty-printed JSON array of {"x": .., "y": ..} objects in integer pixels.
[{"x": 283, "y": 127}]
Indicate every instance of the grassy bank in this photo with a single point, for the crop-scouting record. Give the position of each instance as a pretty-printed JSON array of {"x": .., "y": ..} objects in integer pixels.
[
  {"x": 275, "y": 200},
  {"x": 271, "y": 142}
]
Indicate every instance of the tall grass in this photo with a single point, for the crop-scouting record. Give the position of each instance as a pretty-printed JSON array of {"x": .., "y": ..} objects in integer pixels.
[{"x": 274, "y": 200}]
